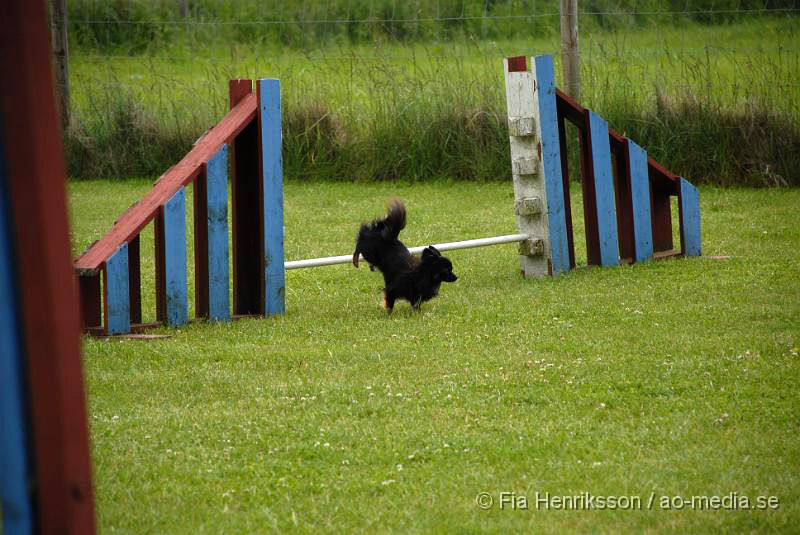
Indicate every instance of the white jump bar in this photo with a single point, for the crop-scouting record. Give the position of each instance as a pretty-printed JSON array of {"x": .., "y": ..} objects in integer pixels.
[{"x": 467, "y": 244}]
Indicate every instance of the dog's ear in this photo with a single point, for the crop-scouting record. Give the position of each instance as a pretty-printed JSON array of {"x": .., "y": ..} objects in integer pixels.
[{"x": 430, "y": 252}]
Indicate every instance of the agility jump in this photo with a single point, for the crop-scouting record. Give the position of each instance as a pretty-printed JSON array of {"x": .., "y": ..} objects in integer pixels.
[{"x": 626, "y": 194}]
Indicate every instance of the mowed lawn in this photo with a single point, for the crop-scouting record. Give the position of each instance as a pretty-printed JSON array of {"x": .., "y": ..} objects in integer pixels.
[{"x": 671, "y": 378}]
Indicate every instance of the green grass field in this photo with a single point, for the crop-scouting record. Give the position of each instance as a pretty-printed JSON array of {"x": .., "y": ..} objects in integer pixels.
[{"x": 671, "y": 378}]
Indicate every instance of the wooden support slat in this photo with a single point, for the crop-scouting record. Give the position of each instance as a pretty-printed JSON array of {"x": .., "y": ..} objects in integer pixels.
[
  {"x": 622, "y": 201},
  {"x": 521, "y": 126},
  {"x": 663, "y": 185},
  {"x": 90, "y": 300},
  {"x": 663, "y": 255},
  {"x": 135, "y": 328},
  {"x": 525, "y": 166},
  {"x": 604, "y": 190},
  {"x": 135, "y": 280},
  {"x": 246, "y": 213},
  {"x": 218, "y": 259},
  {"x": 160, "y": 266},
  {"x": 134, "y": 220},
  {"x": 175, "y": 259},
  {"x": 269, "y": 103},
  {"x": 528, "y": 206},
  {"x": 589, "y": 195},
  {"x": 640, "y": 202},
  {"x": 661, "y": 215},
  {"x": 116, "y": 283},
  {"x": 200, "y": 199},
  {"x": 562, "y": 141},
  {"x": 689, "y": 208}
]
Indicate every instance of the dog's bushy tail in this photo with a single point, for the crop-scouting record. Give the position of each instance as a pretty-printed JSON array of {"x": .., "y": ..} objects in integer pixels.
[
  {"x": 373, "y": 237},
  {"x": 395, "y": 220}
]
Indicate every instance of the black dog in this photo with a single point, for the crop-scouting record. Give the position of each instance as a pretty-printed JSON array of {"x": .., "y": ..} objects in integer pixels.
[{"x": 406, "y": 276}]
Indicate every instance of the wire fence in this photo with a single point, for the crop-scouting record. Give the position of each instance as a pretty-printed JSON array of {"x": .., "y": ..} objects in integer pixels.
[
  {"x": 374, "y": 20},
  {"x": 608, "y": 31}
]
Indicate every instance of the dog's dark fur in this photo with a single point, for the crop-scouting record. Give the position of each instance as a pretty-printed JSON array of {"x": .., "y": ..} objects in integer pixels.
[{"x": 415, "y": 279}]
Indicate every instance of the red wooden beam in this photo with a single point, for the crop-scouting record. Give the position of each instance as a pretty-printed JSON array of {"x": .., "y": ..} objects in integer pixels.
[
  {"x": 589, "y": 194},
  {"x": 160, "y": 266},
  {"x": 570, "y": 109},
  {"x": 49, "y": 306},
  {"x": 135, "y": 279},
  {"x": 664, "y": 179},
  {"x": 562, "y": 142},
  {"x": 91, "y": 306},
  {"x": 623, "y": 202},
  {"x": 517, "y": 64},
  {"x": 246, "y": 211},
  {"x": 135, "y": 219},
  {"x": 200, "y": 192}
]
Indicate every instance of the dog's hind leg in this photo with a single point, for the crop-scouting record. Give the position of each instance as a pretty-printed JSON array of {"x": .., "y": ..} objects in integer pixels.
[{"x": 388, "y": 300}]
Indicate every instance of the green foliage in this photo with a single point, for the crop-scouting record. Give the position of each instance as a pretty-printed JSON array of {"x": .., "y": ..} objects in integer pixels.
[
  {"x": 715, "y": 114},
  {"x": 676, "y": 377}
]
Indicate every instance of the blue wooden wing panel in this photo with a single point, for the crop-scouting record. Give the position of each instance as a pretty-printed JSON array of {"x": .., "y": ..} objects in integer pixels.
[
  {"x": 604, "y": 189},
  {"x": 640, "y": 197},
  {"x": 218, "y": 259},
  {"x": 690, "y": 218},
  {"x": 118, "y": 293},
  {"x": 551, "y": 163},
  {"x": 175, "y": 259},
  {"x": 269, "y": 104},
  {"x": 15, "y": 467}
]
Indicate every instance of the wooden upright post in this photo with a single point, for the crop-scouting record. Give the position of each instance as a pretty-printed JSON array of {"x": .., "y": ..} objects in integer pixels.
[
  {"x": 59, "y": 485},
  {"x": 269, "y": 121},
  {"x": 570, "y": 58},
  {"x": 536, "y": 166},
  {"x": 58, "y": 17}
]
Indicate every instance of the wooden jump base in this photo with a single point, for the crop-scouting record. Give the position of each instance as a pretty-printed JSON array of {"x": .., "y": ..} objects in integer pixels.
[{"x": 626, "y": 194}]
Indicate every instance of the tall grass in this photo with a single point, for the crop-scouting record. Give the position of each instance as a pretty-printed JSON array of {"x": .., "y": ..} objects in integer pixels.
[
  {"x": 137, "y": 25},
  {"x": 717, "y": 104}
]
